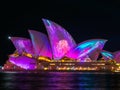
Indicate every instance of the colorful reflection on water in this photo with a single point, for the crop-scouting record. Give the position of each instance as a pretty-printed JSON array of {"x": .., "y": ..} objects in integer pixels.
[{"x": 59, "y": 81}]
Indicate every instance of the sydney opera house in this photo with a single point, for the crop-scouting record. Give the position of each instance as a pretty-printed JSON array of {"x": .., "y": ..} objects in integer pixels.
[{"x": 59, "y": 51}]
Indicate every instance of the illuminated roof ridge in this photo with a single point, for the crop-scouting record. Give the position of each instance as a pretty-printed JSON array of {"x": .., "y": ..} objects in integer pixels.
[
  {"x": 40, "y": 43},
  {"x": 61, "y": 41}
]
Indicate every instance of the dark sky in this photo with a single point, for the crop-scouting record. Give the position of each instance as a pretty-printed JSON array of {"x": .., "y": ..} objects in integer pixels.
[{"x": 83, "y": 19}]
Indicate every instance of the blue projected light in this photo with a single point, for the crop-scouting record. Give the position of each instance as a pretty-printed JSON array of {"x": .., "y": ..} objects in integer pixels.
[
  {"x": 107, "y": 54},
  {"x": 86, "y": 47},
  {"x": 91, "y": 43},
  {"x": 47, "y": 22},
  {"x": 82, "y": 46}
]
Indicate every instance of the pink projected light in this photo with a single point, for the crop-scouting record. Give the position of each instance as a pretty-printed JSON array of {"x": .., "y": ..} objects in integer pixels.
[
  {"x": 61, "y": 41},
  {"x": 23, "y": 62},
  {"x": 22, "y": 45},
  {"x": 62, "y": 46},
  {"x": 117, "y": 56},
  {"x": 83, "y": 49},
  {"x": 41, "y": 44},
  {"x": 59, "y": 45}
]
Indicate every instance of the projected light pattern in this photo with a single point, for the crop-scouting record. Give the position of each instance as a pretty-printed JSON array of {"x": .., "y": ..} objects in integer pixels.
[
  {"x": 22, "y": 45},
  {"x": 85, "y": 48},
  {"x": 62, "y": 47},
  {"x": 107, "y": 55},
  {"x": 57, "y": 34},
  {"x": 95, "y": 53},
  {"x": 23, "y": 62},
  {"x": 41, "y": 44},
  {"x": 117, "y": 56},
  {"x": 58, "y": 45}
]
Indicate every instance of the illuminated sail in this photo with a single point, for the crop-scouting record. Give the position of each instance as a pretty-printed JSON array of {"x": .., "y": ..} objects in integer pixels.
[
  {"x": 85, "y": 48},
  {"x": 61, "y": 41},
  {"x": 41, "y": 44},
  {"x": 96, "y": 52},
  {"x": 22, "y": 45},
  {"x": 107, "y": 55},
  {"x": 24, "y": 62},
  {"x": 117, "y": 56}
]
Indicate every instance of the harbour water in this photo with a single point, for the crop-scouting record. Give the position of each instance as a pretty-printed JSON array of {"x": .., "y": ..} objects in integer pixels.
[{"x": 59, "y": 81}]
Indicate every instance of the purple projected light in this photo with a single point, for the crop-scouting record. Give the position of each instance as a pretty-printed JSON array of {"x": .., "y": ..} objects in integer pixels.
[
  {"x": 41, "y": 44},
  {"x": 95, "y": 53},
  {"x": 84, "y": 48},
  {"x": 61, "y": 41},
  {"x": 22, "y": 45},
  {"x": 117, "y": 56},
  {"x": 24, "y": 62}
]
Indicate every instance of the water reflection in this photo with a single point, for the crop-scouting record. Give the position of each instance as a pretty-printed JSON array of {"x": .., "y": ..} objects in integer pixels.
[{"x": 59, "y": 81}]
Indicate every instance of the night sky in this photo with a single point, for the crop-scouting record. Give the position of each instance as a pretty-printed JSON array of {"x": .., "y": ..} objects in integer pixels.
[{"x": 83, "y": 19}]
